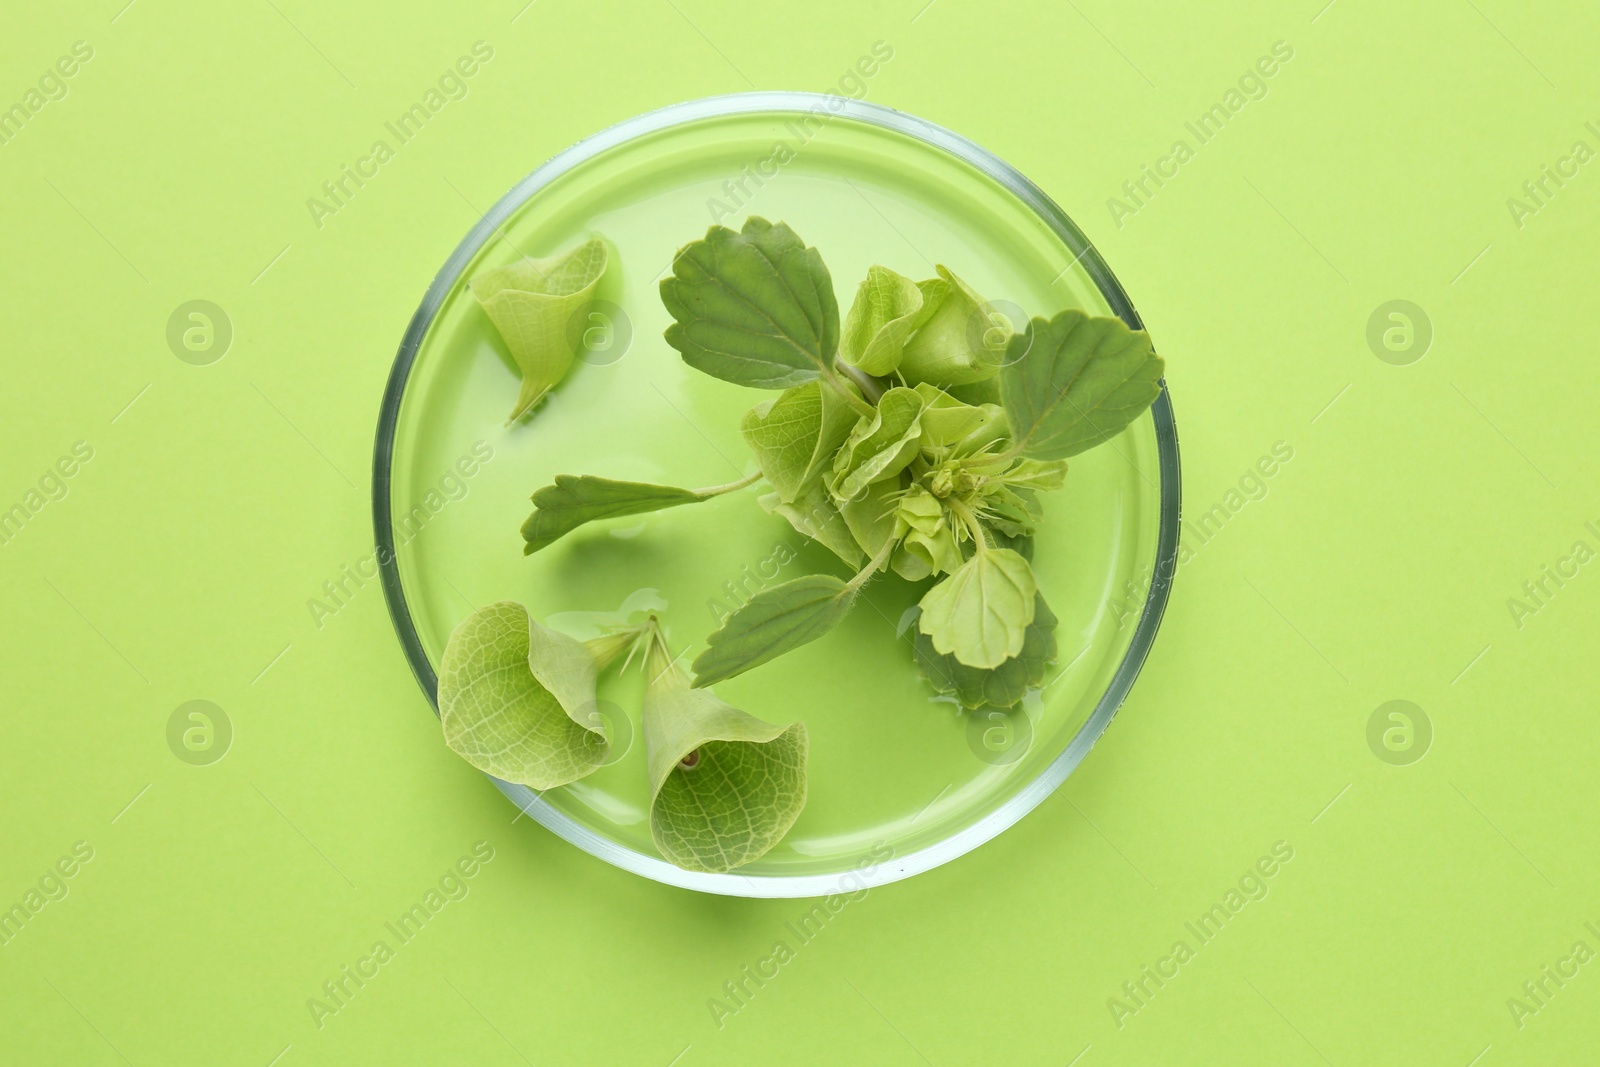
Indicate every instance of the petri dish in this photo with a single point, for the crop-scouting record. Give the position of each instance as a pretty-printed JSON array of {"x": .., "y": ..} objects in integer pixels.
[{"x": 900, "y": 780}]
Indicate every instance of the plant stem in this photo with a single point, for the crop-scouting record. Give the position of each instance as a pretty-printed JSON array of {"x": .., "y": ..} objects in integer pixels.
[
  {"x": 1014, "y": 452},
  {"x": 874, "y": 566},
  {"x": 868, "y": 385},
  {"x": 861, "y": 406},
  {"x": 718, "y": 490}
]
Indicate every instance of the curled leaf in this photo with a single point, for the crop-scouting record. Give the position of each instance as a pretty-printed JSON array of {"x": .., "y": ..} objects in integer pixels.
[
  {"x": 929, "y": 540},
  {"x": 776, "y": 620},
  {"x": 534, "y": 303},
  {"x": 724, "y": 785},
  {"x": 952, "y": 427},
  {"x": 795, "y": 435},
  {"x": 980, "y": 613},
  {"x": 516, "y": 700},
  {"x": 950, "y": 349},
  {"x": 881, "y": 445},
  {"x": 871, "y": 515},
  {"x": 754, "y": 308},
  {"x": 1074, "y": 381},
  {"x": 887, "y": 308},
  {"x": 815, "y": 515},
  {"x": 576, "y": 499},
  {"x": 1002, "y": 686}
]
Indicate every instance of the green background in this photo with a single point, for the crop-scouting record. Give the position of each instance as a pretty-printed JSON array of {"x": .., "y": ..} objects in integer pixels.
[{"x": 1378, "y": 567}]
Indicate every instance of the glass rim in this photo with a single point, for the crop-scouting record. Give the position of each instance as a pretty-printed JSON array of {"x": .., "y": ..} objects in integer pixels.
[{"x": 1164, "y": 566}]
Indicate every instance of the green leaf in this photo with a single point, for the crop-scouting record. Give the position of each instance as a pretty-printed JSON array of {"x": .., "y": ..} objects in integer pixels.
[
  {"x": 887, "y": 308},
  {"x": 1075, "y": 381},
  {"x": 984, "y": 392},
  {"x": 871, "y": 515},
  {"x": 576, "y": 499},
  {"x": 1001, "y": 686},
  {"x": 1022, "y": 544},
  {"x": 1043, "y": 475},
  {"x": 909, "y": 565},
  {"x": 744, "y": 791},
  {"x": 980, "y": 613},
  {"x": 881, "y": 445},
  {"x": 539, "y": 305},
  {"x": 517, "y": 700},
  {"x": 929, "y": 540},
  {"x": 754, "y": 308},
  {"x": 951, "y": 348},
  {"x": 776, "y": 620},
  {"x": 814, "y": 514},
  {"x": 795, "y": 435},
  {"x": 957, "y": 428}
]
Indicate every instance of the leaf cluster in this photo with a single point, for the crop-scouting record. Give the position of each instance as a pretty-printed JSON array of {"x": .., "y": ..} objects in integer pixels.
[{"x": 917, "y": 434}]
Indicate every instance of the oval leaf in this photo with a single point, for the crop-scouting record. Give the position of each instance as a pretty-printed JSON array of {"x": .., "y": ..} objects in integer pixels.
[
  {"x": 516, "y": 700},
  {"x": 980, "y": 613},
  {"x": 754, "y": 308},
  {"x": 1074, "y": 381},
  {"x": 745, "y": 790},
  {"x": 576, "y": 499},
  {"x": 534, "y": 304},
  {"x": 776, "y": 620}
]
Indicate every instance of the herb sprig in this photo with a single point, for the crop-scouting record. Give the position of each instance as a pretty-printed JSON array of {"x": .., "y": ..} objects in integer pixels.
[{"x": 913, "y": 438}]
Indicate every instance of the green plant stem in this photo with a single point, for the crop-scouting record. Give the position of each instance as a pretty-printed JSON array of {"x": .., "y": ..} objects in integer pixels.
[
  {"x": 730, "y": 487},
  {"x": 861, "y": 406},
  {"x": 874, "y": 566},
  {"x": 1012, "y": 453},
  {"x": 868, "y": 385}
]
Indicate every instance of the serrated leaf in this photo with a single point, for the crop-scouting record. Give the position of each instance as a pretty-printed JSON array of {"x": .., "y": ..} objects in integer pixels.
[
  {"x": 516, "y": 700},
  {"x": 575, "y": 499},
  {"x": 814, "y": 514},
  {"x": 888, "y": 307},
  {"x": 745, "y": 790},
  {"x": 795, "y": 435},
  {"x": 776, "y": 620},
  {"x": 538, "y": 305},
  {"x": 950, "y": 348},
  {"x": 1074, "y": 381},
  {"x": 1001, "y": 686},
  {"x": 980, "y": 613},
  {"x": 880, "y": 446},
  {"x": 754, "y": 308}
]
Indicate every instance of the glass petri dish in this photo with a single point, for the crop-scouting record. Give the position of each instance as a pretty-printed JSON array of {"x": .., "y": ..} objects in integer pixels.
[{"x": 900, "y": 780}]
